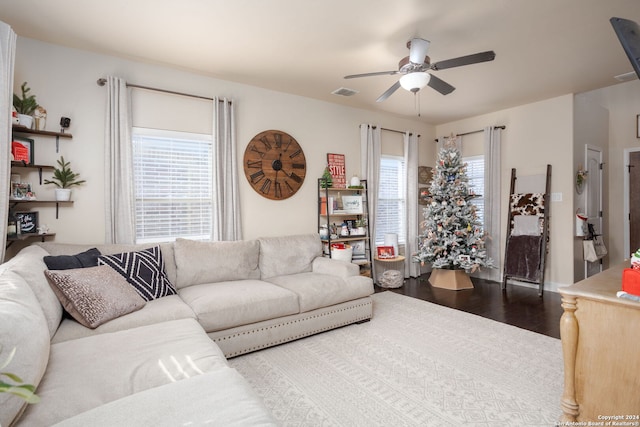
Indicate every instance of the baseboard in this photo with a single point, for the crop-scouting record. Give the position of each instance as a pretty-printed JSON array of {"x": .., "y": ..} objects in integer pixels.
[{"x": 548, "y": 286}]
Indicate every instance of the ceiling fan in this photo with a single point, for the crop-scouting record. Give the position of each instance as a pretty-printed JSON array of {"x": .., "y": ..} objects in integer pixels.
[{"x": 415, "y": 66}]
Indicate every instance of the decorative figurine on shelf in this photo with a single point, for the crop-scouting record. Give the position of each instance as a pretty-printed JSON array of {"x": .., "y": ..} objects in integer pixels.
[
  {"x": 13, "y": 226},
  {"x": 344, "y": 231},
  {"x": 14, "y": 116},
  {"x": 326, "y": 179},
  {"x": 355, "y": 182},
  {"x": 40, "y": 115},
  {"x": 43, "y": 229}
]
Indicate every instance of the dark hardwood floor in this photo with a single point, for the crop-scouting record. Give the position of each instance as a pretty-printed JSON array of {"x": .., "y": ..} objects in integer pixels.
[{"x": 518, "y": 305}]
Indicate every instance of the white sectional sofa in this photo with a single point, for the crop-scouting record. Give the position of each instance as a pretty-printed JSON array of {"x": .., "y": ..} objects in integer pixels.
[{"x": 164, "y": 363}]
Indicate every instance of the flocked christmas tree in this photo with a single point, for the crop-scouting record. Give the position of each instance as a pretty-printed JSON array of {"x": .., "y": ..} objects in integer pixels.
[{"x": 453, "y": 237}]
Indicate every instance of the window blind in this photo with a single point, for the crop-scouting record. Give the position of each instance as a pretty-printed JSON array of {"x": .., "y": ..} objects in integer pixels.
[
  {"x": 475, "y": 173},
  {"x": 391, "y": 214},
  {"x": 172, "y": 184}
]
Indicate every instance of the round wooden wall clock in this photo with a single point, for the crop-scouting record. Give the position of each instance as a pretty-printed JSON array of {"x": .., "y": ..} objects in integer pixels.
[{"x": 274, "y": 164}]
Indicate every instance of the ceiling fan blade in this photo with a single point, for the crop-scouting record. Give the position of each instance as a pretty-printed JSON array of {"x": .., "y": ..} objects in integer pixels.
[
  {"x": 378, "y": 73},
  {"x": 440, "y": 85},
  {"x": 464, "y": 60},
  {"x": 418, "y": 50},
  {"x": 389, "y": 92}
]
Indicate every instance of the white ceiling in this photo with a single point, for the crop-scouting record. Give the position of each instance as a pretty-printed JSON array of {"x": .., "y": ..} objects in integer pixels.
[{"x": 544, "y": 48}]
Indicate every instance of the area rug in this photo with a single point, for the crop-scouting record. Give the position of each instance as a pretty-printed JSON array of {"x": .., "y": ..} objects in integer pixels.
[{"x": 414, "y": 364}]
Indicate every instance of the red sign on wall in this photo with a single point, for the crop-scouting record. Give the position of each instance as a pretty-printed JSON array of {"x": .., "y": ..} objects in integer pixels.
[{"x": 336, "y": 166}]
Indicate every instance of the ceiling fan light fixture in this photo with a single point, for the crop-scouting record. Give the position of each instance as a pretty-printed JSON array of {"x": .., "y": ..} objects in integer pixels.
[{"x": 415, "y": 81}]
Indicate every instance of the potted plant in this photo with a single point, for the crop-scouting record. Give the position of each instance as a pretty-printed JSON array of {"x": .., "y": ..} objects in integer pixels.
[
  {"x": 25, "y": 106},
  {"x": 64, "y": 178}
]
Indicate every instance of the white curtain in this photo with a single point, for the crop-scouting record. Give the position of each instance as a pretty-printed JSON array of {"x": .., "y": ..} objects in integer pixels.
[
  {"x": 492, "y": 209},
  {"x": 119, "y": 192},
  {"x": 370, "y": 149},
  {"x": 412, "y": 269},
  {"x": 226, "y": 223},
  {"x": 7, "y": 60}
]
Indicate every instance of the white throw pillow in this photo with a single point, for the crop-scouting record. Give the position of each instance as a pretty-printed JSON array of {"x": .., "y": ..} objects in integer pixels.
[{"x": 526, "y": 225}]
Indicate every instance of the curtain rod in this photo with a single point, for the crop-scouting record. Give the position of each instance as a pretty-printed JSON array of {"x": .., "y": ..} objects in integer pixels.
[
  {"x": 393, "y": 130},
  {"x": 476, "y": 131},
  {"x": 103, "y": 81}
]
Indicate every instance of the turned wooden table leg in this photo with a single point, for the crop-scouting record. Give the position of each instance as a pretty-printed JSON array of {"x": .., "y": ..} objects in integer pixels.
[{"x": 569, "y": 335}]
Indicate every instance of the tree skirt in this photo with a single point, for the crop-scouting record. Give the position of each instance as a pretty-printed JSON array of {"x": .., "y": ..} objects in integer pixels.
[{"x": 414, "y": 364}]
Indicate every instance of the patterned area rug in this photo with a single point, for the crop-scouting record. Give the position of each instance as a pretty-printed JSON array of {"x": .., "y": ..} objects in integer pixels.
[{"x": 414, "y": 364}]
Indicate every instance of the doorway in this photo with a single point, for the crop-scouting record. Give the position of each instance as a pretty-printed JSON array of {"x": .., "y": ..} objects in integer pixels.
[
  {"x": 593, "y": 200},
  {"x": 632, "y": 201}
]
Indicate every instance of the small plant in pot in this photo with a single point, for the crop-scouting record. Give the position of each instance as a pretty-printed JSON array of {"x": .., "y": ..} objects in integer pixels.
[
  {"x": 25, "y": 106},
  {"x": 64, "y": 178}
]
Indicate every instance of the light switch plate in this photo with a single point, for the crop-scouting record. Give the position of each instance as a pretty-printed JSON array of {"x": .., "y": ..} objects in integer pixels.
[{"x": 556, "y": 197}]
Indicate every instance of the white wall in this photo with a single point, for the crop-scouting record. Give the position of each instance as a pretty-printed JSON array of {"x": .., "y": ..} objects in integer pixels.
[
  {"x": 536, "y": 135},
  {"x": 64, "y": 81}
]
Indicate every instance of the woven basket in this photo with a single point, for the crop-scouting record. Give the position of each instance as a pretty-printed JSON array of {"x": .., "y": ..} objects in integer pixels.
[{"x": 391, "y": 279}]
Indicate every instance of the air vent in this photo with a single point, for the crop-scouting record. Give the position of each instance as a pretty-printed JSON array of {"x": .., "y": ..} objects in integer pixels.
[
  {"x": 343, "y": 91},
  {"x": 626, "y": 77}
]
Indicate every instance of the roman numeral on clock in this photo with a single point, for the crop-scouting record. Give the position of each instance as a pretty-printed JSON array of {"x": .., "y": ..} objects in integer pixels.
[
  {"x": 257, "y": 176},
  {"x": 295, "y": 153},
  {"x": 278, "y": 139},
  {"x": 295, "y": 177},
  {"x": 266, "y": 185},
  {"x": 254, "y": 164},
  {"x": 288, "y": 144},
  {"x": 289, "y": 187},
  {"x": 277, "y": 190},
  {"x": 266, "y": 143},
  {"x": 255, "y": 150},
  {"x": 297, "y": 165}
]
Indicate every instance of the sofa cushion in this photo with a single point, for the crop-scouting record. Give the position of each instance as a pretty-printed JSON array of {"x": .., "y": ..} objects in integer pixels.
[
  {"x": 288, "y": 254},
  {"x": 94, "y": 295},
  {"x": 29, "y": 265},
  {"x": 54, "y": 248},
  {"x": 224, "y": 305},
  {"x": 23, "y": 327},
  {"x": 317, "y": 290},
  {"x": 88, "y": 258},
  {"x": 208, "y": 262},
  {"x": 144, "y": 270},
  {"x": 219, "y": 398},
  {"x": 79, "y": 378},
  {"x": 158, "y": 310}
]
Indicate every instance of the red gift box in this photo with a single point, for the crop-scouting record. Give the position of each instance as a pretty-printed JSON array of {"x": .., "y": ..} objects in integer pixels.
[{"x": 631, "y": 281}]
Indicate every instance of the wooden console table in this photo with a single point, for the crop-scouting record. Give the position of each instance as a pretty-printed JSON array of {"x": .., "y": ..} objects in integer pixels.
[{"x": 601, "y": 349}]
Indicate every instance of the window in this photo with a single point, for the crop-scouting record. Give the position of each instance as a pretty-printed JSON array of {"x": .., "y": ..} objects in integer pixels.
[
  {"x": 475, "y": 173},
  {"x": 172, "y": 179},
  {"x": 391, "y": 217}
]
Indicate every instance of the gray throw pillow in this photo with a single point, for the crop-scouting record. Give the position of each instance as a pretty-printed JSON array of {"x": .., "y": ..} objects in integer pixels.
[{"x": 94, "y": 295}]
